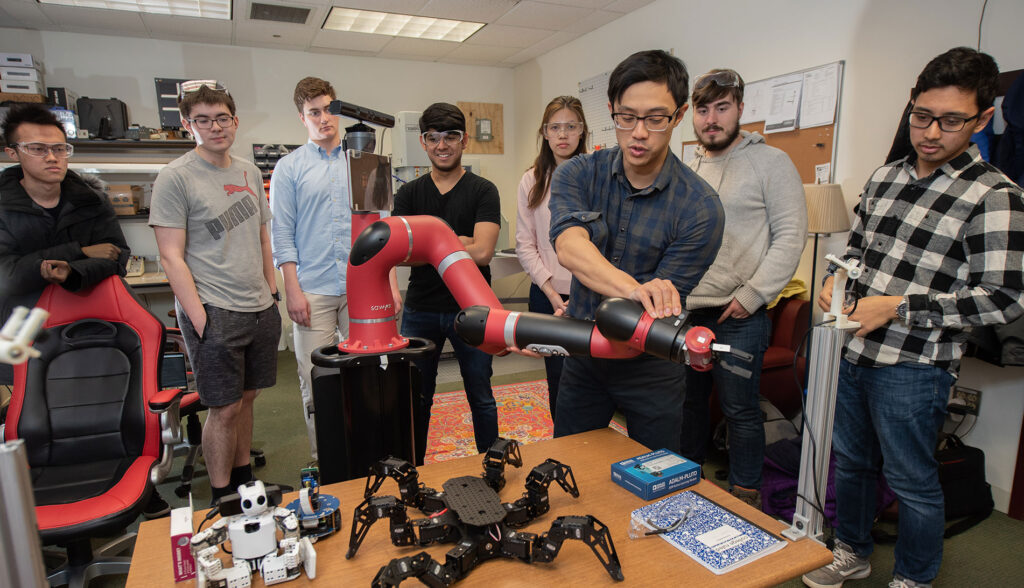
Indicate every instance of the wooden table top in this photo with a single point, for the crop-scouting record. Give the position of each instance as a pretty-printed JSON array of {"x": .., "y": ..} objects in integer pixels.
[{"x": 645, "y": 562}]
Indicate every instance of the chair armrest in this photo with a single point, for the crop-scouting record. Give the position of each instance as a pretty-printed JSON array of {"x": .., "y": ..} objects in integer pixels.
[
  {"x": 163, "y": 399},
  {"x": 790, "y": 323}
]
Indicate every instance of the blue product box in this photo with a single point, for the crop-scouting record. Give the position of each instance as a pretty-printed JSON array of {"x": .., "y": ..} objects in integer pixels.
[{"x": 655, "y": 474}]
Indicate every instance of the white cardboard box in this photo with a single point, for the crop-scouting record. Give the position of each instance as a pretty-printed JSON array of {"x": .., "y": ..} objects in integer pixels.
[
  {"x": 181, "y": 543},
  {"x": 21, "y": 87},
  {"x": 19, "y": 60},
  {"x": 25, "y": 74}
]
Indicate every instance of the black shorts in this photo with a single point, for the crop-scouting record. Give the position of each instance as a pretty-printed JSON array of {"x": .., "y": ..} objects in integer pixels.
[{"x": 238, "y": 351}]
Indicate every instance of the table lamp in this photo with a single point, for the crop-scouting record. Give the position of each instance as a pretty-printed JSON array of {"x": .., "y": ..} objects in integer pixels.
[{"x": 826, "y": 214}]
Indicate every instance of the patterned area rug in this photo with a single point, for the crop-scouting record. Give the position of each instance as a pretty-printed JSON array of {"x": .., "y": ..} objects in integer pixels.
[{"x": 523, "y": 415}]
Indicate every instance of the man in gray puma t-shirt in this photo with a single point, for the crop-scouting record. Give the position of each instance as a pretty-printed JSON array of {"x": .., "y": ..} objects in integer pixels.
[{"x": 210, "y": 217}]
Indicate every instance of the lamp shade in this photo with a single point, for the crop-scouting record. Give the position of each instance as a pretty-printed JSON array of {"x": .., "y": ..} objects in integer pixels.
[{"x": 826, "y": 209}]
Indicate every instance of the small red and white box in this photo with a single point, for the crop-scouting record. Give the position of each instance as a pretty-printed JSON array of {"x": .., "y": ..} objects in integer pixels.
[{"x": 181, "y": 543}]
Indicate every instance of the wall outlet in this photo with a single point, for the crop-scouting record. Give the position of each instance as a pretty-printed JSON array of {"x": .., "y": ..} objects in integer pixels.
[{"x": 969, "y": 398}]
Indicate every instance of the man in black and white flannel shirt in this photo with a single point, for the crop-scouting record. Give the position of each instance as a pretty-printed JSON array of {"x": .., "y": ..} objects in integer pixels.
[{"x": 940, "y": 236}]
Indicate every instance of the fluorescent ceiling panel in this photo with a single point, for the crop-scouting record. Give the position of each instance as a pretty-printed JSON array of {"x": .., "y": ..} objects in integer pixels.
[
  {"x": 400, "y": 25},
  {"x": 220, "y": 9}
]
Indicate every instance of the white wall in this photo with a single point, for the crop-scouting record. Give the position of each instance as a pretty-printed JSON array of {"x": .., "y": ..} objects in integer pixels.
[
  {"x": 262, "y": 82},
  {"x": 885, "y": 44}
]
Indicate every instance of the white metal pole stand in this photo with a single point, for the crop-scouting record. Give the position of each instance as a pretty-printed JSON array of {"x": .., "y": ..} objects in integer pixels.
[{"x": 826, "y": 348}]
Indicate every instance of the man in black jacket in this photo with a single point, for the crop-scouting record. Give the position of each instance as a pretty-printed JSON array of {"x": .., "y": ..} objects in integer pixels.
[{"x": 55, "y": 227}]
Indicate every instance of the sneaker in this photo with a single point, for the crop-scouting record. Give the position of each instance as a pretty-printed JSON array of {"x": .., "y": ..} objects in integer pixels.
[
  {"x": 901, "y": 582},
  {"x": 751, "y": 497},
  {"x": 846, "y": 565},
  {"x": 157, "y": 507}
]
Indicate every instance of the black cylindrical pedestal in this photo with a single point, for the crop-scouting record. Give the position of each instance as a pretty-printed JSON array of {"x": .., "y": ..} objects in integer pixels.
[{"x": 364, "y": 408}]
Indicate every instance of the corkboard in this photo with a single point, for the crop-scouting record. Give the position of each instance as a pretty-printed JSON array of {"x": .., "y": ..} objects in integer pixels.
[
  {"x": 806, "y": 147},
  {"x": 475, "y": 110}
]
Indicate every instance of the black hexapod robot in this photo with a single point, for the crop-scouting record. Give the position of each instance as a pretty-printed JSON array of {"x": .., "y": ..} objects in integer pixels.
[{"x": 469, "y": 512}]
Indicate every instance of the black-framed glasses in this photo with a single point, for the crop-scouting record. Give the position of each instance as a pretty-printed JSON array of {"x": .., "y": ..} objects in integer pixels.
[
  {"x": 720, "y": 78},
  {"x": 195, "y": 85},
  {"x": 569, "y": 128},
  {"x": 652, "y": 122},
  {"x": 947, "y": 122},
  {"x": 59, "y": 150},
  {"x": 201, "y": 122},
  {"x": 434, "y": 138}
]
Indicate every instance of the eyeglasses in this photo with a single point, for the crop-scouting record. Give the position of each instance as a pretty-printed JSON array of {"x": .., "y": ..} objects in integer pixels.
[
  {"x": 720, "y": 78},
  {"x": 224, "y": 122},
  {"x": 195, "y": 85},
  {"x": 555, "y": 129},
  {"x": 948, "y": 123},
  {"x": 652, "y": 122},
  {"x": 59, "y": 150},
  {"x": 434, "y": 138}
]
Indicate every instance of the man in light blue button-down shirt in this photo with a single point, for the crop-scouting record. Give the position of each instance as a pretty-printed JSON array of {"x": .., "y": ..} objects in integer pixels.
[{"x": 312, "y": 233}]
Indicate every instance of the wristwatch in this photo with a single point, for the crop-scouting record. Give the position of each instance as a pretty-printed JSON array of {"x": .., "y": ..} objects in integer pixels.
[
  {"x": 901, "y": 310},
  {"x": 276, "y": 296}
]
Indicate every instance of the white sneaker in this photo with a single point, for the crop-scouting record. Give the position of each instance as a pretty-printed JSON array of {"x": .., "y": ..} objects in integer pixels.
[{"x": 846, "y": 565}]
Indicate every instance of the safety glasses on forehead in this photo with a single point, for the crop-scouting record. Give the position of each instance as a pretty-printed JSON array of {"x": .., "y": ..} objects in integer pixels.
[
  {"x": 194, "y": 86},
  {"x": 722, "y": 78}
]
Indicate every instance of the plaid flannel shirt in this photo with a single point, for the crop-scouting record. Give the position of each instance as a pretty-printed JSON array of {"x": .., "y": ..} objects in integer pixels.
[
  {"x": 671, "y": 229},
  {"x": 951, "y": 243}
]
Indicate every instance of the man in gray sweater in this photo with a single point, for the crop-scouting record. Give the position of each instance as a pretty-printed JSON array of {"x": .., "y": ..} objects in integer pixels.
[{"x": 765, "y": 231}]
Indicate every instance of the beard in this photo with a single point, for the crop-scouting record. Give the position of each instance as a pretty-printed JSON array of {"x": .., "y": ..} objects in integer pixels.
[{"x": 724, "y": 139}]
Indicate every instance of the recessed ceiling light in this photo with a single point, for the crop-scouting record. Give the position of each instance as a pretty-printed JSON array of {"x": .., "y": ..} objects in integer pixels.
[
  {"x": 219, "y": 9},
  {"x": 400, "y": 25}
]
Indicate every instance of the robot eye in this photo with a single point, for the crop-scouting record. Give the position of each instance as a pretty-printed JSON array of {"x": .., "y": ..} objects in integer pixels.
[
  {"x": 261, "y": 500},
  {"x": 246, "y": 504}
]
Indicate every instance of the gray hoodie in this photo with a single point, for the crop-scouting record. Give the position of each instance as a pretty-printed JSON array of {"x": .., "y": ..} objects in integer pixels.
[{"x": 765, "y": 224}]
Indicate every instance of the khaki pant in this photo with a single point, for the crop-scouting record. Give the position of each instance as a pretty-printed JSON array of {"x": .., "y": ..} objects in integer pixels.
[{"x": 328, "y": 320}]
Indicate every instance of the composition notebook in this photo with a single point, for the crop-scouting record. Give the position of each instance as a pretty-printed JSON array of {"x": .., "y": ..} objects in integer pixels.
[{"x": 716, "y": 537}]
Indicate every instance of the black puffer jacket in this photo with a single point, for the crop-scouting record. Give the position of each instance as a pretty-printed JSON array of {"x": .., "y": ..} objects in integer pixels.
[{"x": 28, "y": 235}]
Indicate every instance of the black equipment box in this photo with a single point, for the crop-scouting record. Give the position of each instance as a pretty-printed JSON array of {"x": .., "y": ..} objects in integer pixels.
[{"x": 106, "y": 118}]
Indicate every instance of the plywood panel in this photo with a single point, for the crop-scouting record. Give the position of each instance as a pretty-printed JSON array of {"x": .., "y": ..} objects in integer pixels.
[{"x": 484, "y": 110}]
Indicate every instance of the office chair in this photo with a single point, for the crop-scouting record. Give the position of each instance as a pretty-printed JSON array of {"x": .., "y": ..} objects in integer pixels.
[{"x": 98, "y": 431}]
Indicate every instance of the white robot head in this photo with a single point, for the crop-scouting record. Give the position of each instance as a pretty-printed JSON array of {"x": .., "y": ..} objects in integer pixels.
[{"x": 254, "y": 498}]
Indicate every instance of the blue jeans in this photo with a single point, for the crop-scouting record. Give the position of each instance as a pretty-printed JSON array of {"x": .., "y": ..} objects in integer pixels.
[
  {"x": 552, "y": 365},
  {"x": 888, "y": 419},
  {"x": 647, "y": 390},
  {"x": 475, "y": 366},
  {"x": 737, "y": 395}
]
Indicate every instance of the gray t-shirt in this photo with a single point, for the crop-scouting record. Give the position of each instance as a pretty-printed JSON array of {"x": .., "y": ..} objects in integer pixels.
[{"x": 222, "y": 211}]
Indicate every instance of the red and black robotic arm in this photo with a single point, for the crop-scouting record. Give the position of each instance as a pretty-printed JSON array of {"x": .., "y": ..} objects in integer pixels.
[{"x": 622, "y": 329}]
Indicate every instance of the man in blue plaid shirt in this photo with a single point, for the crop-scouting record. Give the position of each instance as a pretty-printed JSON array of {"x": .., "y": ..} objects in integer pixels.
[
  {"x": 633, "y": 221},
  {"x": 940, "y": 236}
]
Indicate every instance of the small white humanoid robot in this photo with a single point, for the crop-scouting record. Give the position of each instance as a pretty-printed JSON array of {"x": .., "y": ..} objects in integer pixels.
[{"x": 251, "y": 521}]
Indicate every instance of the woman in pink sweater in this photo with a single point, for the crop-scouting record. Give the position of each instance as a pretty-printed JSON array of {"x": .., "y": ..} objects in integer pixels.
[{"x": 564, "y": 135}]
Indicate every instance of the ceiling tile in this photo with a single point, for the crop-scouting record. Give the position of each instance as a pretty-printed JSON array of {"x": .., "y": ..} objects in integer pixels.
[
  {"x": 538, "y": 15},
  {"x": 207, "y": 28},
  {"x": 74, "y": 18},
  {"x": 359, "y": 42},
  {"x": 27, "y": 13},
  {"x": 581, "y": 3},
  {"x": 402, "y": 48},
  {"x": 471, "y": 10},
  {"x": 255, "y": 33},
  {"x": 505, "y": 36},
  {"x": 625, "y": 6},
  {"x": 556, "y": 40},
  {"x": 593, "y": 21}
]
